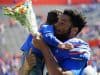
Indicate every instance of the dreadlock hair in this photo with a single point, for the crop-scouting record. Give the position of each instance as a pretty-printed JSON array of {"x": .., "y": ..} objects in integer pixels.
[
  {"x": 77, "y": 19},
  {"x": 52, "y": 16}
]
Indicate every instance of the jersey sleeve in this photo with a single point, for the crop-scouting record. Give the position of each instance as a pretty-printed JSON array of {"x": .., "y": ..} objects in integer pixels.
[
  {"x": 81, "y": 49},
  {"x": 86, "y": 51},
  {"x": 81, "y": 52},
  {"x": 27, "y": 44},
  {"x": 47, "y": 32}
]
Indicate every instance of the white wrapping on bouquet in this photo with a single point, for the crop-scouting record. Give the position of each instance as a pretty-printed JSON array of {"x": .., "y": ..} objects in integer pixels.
[{"x": 24, "y": 13}]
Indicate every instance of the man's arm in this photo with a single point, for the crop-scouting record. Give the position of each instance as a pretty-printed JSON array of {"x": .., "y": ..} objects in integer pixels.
[
  {"x": 28, "y": 63},
  {"x": 50, "y": 60}
]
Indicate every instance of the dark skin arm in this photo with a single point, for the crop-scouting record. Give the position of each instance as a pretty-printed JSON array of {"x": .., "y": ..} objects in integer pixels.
[
  {"x": 29, "y": 62},
  {"x": 51, "y": 63}
]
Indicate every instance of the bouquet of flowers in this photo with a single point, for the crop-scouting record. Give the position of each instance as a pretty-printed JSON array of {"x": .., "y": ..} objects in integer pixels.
[{"x": 24, "y": 13}]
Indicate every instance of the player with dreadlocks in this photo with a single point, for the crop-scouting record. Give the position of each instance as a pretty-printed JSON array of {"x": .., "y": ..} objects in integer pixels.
[{"x": 67, "y": 62}]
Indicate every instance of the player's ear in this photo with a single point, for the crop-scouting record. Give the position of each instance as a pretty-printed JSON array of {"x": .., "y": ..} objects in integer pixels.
[{"x": 74, "y": 31}]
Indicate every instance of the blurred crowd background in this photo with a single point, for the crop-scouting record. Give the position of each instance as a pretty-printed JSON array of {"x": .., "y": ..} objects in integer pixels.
[{"x": 12, "y": 34}]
